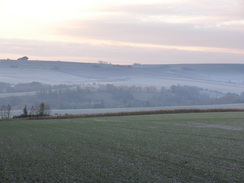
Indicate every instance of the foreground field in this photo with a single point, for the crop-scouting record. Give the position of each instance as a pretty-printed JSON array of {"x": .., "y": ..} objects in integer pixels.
[{"x": 194, "y": 147}]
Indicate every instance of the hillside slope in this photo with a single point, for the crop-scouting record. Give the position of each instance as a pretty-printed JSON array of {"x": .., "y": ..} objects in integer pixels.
[{"x": 218, "y": 77}]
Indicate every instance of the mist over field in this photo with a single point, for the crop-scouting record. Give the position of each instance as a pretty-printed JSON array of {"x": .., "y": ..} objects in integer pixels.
[
  {"x": 67, "y": 85},
  {"x": 121, "y": 91},
  {"x": 219, "y": 77}
]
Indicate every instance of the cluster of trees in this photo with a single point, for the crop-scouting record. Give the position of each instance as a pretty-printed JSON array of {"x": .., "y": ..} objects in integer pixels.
[
  {"x": 103, "y": 62},
  {"x": 24, "y": 58},
  {"x": 28, "y": 87},
  {"x": 5, "y": 111},
  {"x": 35, "y": 110},
  {"x": 111, "y": 96}
]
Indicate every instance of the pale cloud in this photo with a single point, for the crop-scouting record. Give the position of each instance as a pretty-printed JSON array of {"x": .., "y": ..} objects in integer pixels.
[
  {"x": 236, "y": 24},
  {"x": 204, "y": 13},
  {"x": 138, "y": 31},
  {"x": 146, "y": 31},
  {"x": 190, "y": 8},
  {"x": 124, "y": 53}
]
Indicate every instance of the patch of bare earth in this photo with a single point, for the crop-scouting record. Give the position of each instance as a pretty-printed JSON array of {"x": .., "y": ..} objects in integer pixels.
[{"x": 225, "y": 127}]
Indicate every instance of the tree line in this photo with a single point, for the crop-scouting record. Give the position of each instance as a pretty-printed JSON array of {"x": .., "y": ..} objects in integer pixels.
[
  {"x": 111, "y": 96},
  {"x": 28, "y": 87},
  {"x": 34, "y": 111}
]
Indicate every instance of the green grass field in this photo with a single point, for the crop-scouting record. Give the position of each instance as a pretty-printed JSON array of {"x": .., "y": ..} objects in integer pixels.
[{"x": 193, "y": 147}]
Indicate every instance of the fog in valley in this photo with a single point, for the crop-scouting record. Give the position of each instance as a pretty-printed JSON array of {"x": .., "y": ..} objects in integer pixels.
[
  {"x": 121, "y": 91},
  {"x": 65, "y": 86}
]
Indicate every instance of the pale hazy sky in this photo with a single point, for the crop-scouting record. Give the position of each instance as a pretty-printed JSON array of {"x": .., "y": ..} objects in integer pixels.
[{"x": 123, "y": 31}]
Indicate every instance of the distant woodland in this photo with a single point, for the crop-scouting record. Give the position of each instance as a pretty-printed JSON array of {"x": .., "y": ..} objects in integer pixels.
[{"x": 109, "y": 96}]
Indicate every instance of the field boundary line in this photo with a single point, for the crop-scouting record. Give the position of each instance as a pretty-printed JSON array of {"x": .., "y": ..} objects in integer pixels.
[{"x": 170, "y": 111}]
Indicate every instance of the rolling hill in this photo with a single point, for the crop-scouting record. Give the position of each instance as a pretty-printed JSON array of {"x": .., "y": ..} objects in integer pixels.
[{"x": 216, "y": 77}]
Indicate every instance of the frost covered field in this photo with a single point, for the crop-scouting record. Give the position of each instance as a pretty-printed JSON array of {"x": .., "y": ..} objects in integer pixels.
[{"x": 192, "y": 147}]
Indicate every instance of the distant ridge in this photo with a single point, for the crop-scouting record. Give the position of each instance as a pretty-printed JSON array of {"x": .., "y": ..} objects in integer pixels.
[{"x": 219, "y": 77}]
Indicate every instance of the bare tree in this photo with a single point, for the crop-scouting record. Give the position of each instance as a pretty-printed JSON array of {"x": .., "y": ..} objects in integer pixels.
[
  {"x": 5, "y": 111},
  {"x": 25, "y": 111},
  {"x": 43, "y": 109},
  {"x": 47, "y": 110},
  {"x": 8, "y": 110},
  {"x": 2, "y": 109},
  {"x": 33, "y": 110}
]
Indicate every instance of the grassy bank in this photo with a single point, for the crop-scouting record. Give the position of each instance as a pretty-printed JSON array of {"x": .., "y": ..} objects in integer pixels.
[
  {"x": 130, "y": 113},
  {"x": 184, "y": 147}
]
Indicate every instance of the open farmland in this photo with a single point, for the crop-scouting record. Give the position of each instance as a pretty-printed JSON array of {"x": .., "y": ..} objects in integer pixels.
[{"x": 193, "y": 147}]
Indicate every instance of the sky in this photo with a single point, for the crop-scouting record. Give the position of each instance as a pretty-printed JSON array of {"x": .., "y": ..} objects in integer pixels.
[{"x": 123, "y": 31}]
